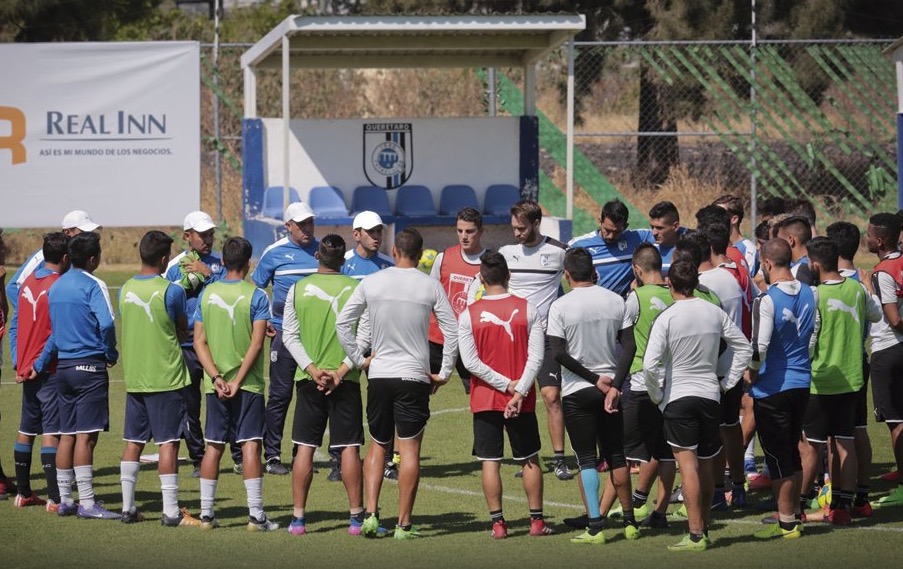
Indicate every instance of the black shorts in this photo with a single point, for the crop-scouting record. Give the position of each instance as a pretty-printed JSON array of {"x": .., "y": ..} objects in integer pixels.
[
  {"x": 779, "y": 422},
  {"x": 550, "y": 371},
  {"x": 489, "y": 429},
  {"x": 396, "y": 403},
  {"x": 592, "y": 431},
  {"x": 40, "y": 410},
  {"x": 887, "y": 384},
  {"x": 830, "y": 416},
  {"x": 692, "y": 423},
  {"x": 342, "y": 409},
  {"x": 862, "y": 398},
  {"x": 84, "y": 395},
  {"x": 158, "y": 416},
  {"x": 731, "y": 402},
  {"x": 644, "y": 438},
  {"x": 235, "y": 420}
]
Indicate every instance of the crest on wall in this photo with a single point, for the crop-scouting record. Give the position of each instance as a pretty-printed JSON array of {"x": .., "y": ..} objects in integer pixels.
[{"x": 388, "y": 154}]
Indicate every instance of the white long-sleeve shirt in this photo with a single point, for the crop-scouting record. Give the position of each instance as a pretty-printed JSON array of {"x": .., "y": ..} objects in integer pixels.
[
  {"x": 399, "y": 301},
  {"x": 471, "y": 357},
  {"x": 682, "y": 352}
]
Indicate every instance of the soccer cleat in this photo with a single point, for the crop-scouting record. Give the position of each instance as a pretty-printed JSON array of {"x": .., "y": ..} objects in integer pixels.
[
  {"x": 895, "y": 498},
  {"x": 719, "y": 503},
  {"x": 632, "y": 531},
  {"x": 680, "y": 513},
  {"x": 839, "y": 517},
  {"x": 411, "y": 533},
  {"x": 539, "y": 527},
  {"x": 370, "y": 527},
  {"x": 738, "y": 497},
  {"x": 7, "y": 487},
  {"x": 687, "y": 544},
  {"x": 33, "y": 500},
  {"x": 749, "y": 466},
  {"x": 335, "y": 474},
  {"x": 519, "y": 473},
  {"x": 52, "y": 507},
  {"x": 209, "y": 522},
  {"x": 132, "y": 517},
  {"x": 297, "y": 527},
  {"x": 64, "y": 509},
  {"x": 391, "y": 471},
  {"x": 617, "y": 511},
  {"x": 238, "y": 468},
  {"x": 773, "y": 519},
  {"x": 578, "y": 522},
  {"x": 863, "y": 511},
  {"x": 196, "y": 473},
  {"x": 774, "y": 531},
  {"x": 499, "y": 530},
  {"x": 677, "y": 496},
  {"x": 274, "y": 466},
  {"x": 183, "y": 519},
  {"x": 589, "y": 538},
  {"x": 759, "y": 483},
  {"x": 96, "y": 512},
  {"x": 562, "y": 471},
  {"x": 655, "y": 520},
  {"x": 892, "y": 476},
  {"x": 266, "y": 524}
]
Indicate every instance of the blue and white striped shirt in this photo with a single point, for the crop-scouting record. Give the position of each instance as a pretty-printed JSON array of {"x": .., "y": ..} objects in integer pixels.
[
  {"x": 359, "y": 267},
  {"x": 284, "y": 263},
  {"x": 613, "y": 261}
]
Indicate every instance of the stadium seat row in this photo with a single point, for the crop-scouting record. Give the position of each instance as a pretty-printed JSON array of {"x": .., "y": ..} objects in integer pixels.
[{"x": 413, "y": 203}]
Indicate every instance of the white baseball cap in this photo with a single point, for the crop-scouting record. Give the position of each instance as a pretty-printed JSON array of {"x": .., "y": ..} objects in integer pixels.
[
  {"x": 199, "y": 221},
  {"x": 298, "y": 212},
  {"x": 367, "y": 220},
  {"x": 79, "y": 219}
]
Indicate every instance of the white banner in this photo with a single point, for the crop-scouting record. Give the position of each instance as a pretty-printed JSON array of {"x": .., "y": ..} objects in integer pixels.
[{"x": 109, "y": 128}]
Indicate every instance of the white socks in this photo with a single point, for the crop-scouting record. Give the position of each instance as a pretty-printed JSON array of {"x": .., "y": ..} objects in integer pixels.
[
  {"x": 64, "y": 478},
  {"x": 208, "y": 496},
  {"x": 169, "y": 486},
  {"x": 128, "y": 478},
  {"x": 84, "y": 479},
  {"x": 254, "y": 488}
]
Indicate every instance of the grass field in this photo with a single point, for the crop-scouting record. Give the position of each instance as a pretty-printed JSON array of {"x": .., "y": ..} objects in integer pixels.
[{"x": 450, "y": 509}]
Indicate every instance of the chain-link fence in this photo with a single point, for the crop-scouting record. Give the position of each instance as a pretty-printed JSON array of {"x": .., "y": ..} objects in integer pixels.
[{"x": 655, "y": 120}]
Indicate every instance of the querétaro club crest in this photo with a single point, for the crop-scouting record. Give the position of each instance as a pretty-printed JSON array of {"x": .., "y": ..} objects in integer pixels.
[{"x": 388, "y": 154}]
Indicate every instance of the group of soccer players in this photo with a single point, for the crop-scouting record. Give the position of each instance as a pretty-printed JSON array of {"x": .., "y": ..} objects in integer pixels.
[{"x": 671, "y": 348}]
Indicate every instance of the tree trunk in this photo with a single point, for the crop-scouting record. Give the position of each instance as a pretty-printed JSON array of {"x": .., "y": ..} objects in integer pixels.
[{"x": 655, "y": 155}]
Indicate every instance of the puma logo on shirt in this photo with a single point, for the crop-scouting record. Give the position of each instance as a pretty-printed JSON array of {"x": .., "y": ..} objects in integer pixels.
[
  {"x": 132, "y": 298},
  {"x": 493, "y": 319}
]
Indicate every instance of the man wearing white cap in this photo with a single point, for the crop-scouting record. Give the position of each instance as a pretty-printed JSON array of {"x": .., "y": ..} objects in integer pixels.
[
  {"x": 284, "y": 263},
  {"x": 195, "y": 268},
  {"x": 365, "y": 258},
  {"x": 75, "y": 222}
]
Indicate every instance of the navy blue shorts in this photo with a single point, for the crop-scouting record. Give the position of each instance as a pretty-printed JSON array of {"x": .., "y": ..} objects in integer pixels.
[
  {"x": 84, "y": 395},
  {"x": 40, "y": 411},
  {"x": 159, "y": 416},
  {"x": 342, "y": 409},
  {"x": 235, "y": 420}
]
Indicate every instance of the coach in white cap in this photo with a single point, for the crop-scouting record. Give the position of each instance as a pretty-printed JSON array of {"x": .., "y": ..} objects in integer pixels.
[
  {"x": 284, "y": 263},
  {"x": 365, "y": 258},
  {"x": 75, "y": 222}
]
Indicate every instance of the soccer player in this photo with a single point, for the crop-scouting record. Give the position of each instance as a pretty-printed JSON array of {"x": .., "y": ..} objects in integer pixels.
[
  {"x": 399, "y": 300},
  {"x": 664, "y": 222},
  {"x": 644, "y": 440},
  {"x": 882, "y": 239},
  {"x": 612, "y": 246},
  {"x": 796, "y": 231},
  {"x": 229, "y": 330},
  {"x": 456, "y": 268},
  {"x": 40, "y": 415},
  {"x": 583, "y": 329},
  {"x": 502, "y": 342},
  {"x": 156, "y": 378},
  {"x": 365, "y": 259},
  {"x": 844, "y": 310},
  {"x": 784, "y": 321},
  {"x": 536, "y": 264},
  {"x": 847, "y": 236},
  {"x": 194, "y": 268},
  {"x": 327, "y": 384},
  {"x": 734, "y": 207},
  {"x": 73, "y": 223},
  {"x": 84, "y": 340},
  {"x": 284, "y": 263},
  {"x": 680, "y": 367}
]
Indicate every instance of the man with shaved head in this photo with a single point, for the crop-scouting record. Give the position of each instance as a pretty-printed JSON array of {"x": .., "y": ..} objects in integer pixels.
[{"x": 783, "y": 321}]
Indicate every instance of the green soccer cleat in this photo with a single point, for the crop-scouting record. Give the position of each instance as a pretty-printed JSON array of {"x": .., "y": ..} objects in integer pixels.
[
  {"x": 687, "y": 544},
  {"x": 617, "y": 511},
  {"x": 402, "y": 534},
  {"x": 370, "y": 527},
  {"x": 895, "y": 498},
  {"x": 631, "y": 532},
  {"x": 775, "y": 531},
  {"x": 589, "y": 539}
]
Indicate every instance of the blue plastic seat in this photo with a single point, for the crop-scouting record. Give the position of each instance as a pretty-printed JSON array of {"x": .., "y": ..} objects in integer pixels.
[
  {"x": 414, "y": 201},
  {"x": 456, "y": 197},
  {"x": 328, "y": 201},
  {"x": 500, "y": 198},
  {"x": 371, "y": 198},
  {"x": 274, "y": 203}
]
